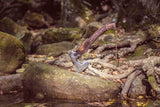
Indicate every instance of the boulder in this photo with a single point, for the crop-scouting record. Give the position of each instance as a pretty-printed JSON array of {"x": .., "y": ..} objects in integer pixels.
[
  {"x": 138, "y": 88},
  {"x": 27, "y": 41},
  {"x": 54, "y": 82},
  {"x": 12, "y": 53},
  {"x": 36, "y": 20},
  {"x": 53, "y": 35},
  {"x": 54, "y": 49},
  {"x": 9, "y": 26}
]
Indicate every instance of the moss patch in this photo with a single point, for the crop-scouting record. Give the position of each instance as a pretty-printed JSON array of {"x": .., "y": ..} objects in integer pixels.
[
  {"x": 55, "y": 48},
  {"x": 11, "y": 53},
  {"x": 34, "y": 19},
  {"x": 9, "y": 26},
  {"x": 62, "y": 34}
]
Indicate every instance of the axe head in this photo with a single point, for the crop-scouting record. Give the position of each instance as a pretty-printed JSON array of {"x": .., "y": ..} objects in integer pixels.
[{"x": 79, "y": 65}]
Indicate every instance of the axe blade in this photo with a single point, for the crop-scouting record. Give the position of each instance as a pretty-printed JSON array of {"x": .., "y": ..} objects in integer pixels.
[{"x": 79, "y": 65}]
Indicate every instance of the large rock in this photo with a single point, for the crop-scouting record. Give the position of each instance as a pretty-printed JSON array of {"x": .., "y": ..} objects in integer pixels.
[
  {"x": 37, "y": 20},
  {"x": 54, "y": 49},
  {"x": 11, "y": 53},
  {"x": 27, "y": 41},
  {"x": 138, "y": 88},
  {"x": 9, "y": 26},
  {"x": 46, "y": 81},
  {"x": 53, "y": 35}
]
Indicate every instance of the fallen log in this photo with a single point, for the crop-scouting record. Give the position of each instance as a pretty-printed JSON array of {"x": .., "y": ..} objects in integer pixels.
[
  {"x": 54, "y": 82},
  {"x": 10, "y": 83}
]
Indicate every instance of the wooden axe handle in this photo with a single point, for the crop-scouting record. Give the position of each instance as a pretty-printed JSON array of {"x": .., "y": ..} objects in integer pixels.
[{"x": 87, "y": 43}]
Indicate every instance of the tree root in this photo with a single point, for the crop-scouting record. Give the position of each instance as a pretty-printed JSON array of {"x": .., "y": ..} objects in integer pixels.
[
  {"x": 153, "y": 83},
  {"x": 149, "y": 66},
  {"x": 108, "y": 65},
  {"x": 109, "y": 76},
  {"x": 128, "y": 84},
  {"x": 128, "y": 43},
  {"x": 132, "y": 42}
]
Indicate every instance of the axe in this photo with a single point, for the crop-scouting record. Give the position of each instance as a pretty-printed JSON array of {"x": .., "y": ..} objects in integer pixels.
[{"x": 75, "y": 55}]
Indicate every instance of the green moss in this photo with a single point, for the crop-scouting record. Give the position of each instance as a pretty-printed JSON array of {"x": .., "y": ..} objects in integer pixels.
[
  {"x": 34, "y": 19},
  {"x": 61, "y": 34},
  {"x": 157, "y": 30},
  {"x": 154, "y": 32},
  {"x": 11, "y": 52},
  {"x": 153, "y": 83},
  {"x": 151, "y": 79},
  {"x": 139, "y": 53},
  {"x": 101, "y": 42},
  {"x": 9, "y": 44},
  {"x": 7, "y": 39},
  {"x": 110, "y": 31},
  {"x": 140, "y": 50},
  {"x": 55, "y": 48},
  {"x": 9, "y": 26},
  {"x": 35, "y": 16}
]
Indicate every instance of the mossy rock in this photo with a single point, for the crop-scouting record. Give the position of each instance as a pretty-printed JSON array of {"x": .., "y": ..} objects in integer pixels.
[
  {"x": 26, "y": 39},
  {"x": 53, "y": 35},
  {"x": 33, "y": 19},
  {"x": 137, "y": 87},
  {"x": 55, "y": 48},
  {"x": 9, "y": 26},
  {"x": 11, "y": 53},
  {"x": 54, "y": 82}
]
